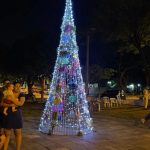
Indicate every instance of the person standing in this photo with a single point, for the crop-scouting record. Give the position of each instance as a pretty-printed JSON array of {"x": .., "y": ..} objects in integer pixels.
[
  {"x": 5, "y": 82},
  {"x": 2, "y": 135},
  {"x": 146, "y": 96},
  {"x": 13, "y": 121},
  {"x": 2, "y": 138}
]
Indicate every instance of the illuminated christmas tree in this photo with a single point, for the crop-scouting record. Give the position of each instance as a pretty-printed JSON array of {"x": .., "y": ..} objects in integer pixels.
[{"x": 66, "y": 110}]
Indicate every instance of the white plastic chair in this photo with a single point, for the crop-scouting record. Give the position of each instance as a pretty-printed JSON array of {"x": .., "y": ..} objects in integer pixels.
[
  {"x": 106, "y": 101},
  {"x": 120, "y": 101},
  {"x": 113, "y": 102},
  {"x": 98, "y": 102}
]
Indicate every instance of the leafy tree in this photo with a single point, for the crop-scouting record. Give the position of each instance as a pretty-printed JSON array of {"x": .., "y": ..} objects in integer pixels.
[
  {"x": 126, "y": 24},
  {"x": 98, "y": 73},
  {"x": 36, "y": 57},
  {"x": 30, "y": 57}
]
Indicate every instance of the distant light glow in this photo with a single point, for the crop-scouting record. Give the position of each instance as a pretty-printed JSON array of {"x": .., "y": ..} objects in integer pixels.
[
  {"x": 109, "y": 82},
  {"x": 131, "y": 86},
  {"x": 139, "y": 85}
]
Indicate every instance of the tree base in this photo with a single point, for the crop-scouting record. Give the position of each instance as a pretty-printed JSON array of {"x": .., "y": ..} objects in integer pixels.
[
  {"x": 79, "y": 133},
  {"x": 50, "y": 132}
]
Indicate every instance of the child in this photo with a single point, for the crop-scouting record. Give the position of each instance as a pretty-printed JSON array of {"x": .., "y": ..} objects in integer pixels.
[{"x": 8, "y": 97}]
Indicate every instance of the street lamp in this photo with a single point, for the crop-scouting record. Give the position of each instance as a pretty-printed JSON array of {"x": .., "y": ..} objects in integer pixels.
[
  {"x": 87, "y": 63},
  {"x": 89, "y": 32}
]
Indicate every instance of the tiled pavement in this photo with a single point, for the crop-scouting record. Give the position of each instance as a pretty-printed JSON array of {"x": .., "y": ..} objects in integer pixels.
[{"x": 111, "y": 134}]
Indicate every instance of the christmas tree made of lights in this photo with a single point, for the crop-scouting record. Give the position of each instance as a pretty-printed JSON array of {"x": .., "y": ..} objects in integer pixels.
[{"x": 66, "y": 110}]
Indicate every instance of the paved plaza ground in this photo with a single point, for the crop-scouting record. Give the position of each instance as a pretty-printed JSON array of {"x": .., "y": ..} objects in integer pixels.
[{"x": 112, "y": 133}]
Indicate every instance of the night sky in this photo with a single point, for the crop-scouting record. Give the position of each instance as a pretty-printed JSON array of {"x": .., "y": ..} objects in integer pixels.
[
  {"x": 36, "y": 23},
  {"x": 20, "y": 18}
]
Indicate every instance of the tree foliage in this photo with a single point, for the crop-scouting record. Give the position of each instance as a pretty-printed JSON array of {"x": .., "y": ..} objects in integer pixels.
[
  {"x": 29, "y": 57},
  {"x": 126, "y": 25},
  {"x": 98, "y": 73}
]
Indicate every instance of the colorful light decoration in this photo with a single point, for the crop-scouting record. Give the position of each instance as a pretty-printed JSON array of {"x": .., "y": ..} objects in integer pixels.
[{"x": 66, "y": 110}]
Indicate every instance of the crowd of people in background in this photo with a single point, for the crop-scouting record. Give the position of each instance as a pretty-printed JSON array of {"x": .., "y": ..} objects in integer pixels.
[{"x": 11, "y": 100}]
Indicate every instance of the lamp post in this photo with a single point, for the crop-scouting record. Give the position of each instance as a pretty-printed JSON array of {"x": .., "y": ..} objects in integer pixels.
[
  {"x": 91, "y": 30},
  {"x": 87, "y": 63}
]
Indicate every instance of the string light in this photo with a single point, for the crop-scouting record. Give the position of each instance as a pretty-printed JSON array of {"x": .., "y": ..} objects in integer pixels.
[{"x": 66, "y": 110}]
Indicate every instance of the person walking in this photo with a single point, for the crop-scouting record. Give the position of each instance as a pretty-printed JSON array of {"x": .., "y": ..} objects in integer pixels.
[{"x": 13, "y": 121}]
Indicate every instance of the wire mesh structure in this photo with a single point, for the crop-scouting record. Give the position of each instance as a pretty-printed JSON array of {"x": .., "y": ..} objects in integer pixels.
[{"x": 66, "y": 110}]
